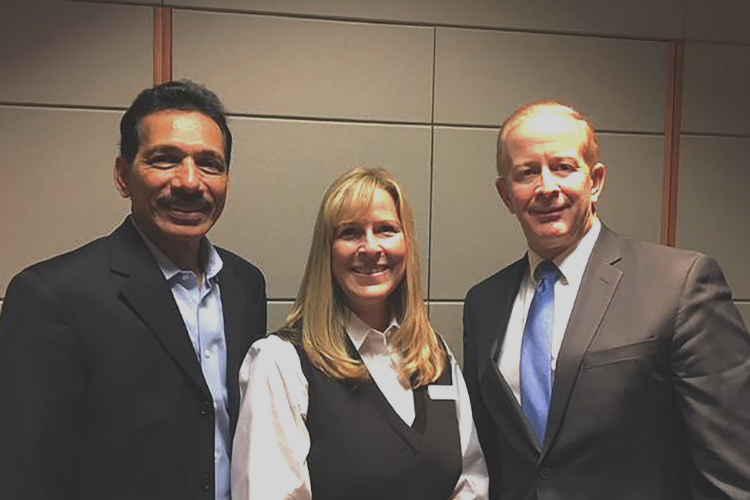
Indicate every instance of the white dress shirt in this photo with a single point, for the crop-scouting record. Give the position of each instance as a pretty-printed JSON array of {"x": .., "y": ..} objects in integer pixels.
[
  {"x": 572, "y": 264},
  {"x": 272, "y": 442}
]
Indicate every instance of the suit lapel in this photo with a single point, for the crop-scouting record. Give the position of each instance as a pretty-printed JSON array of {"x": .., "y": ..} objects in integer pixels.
[
  {"x": 233, "y": 299},
  {"x": 598, "y": 286},
  {"x": 497, "y": 392},
  {"x": 148, "y": 295}
]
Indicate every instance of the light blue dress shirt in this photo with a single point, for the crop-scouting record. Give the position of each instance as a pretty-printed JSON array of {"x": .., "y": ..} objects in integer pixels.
[{"x": 201, "y": 310}]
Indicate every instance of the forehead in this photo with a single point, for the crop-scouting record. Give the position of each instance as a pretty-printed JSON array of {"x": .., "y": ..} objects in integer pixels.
[
  {"x": 547, "y": 133},
  {"x": 180, "y": 128},
  {"x": 378, "y": 204}
]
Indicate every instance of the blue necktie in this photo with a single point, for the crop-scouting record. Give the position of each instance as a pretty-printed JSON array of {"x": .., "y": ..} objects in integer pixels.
[{"x": 536, "y": 350}]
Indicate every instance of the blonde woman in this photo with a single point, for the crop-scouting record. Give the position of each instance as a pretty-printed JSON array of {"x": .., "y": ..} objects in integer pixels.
[{"x": 357, "y": 397}]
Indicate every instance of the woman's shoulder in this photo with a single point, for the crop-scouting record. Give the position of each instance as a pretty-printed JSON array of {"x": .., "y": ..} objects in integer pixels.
[{"x": 274, "y": 348}]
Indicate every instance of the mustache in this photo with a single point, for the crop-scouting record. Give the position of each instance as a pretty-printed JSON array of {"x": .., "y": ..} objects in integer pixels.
[{"x": 183, "y": 202}]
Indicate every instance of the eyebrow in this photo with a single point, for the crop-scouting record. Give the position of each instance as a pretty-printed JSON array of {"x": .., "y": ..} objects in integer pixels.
[
  {"x": 571, "y": 159},
  {"x": 532, "y": 163},
  {"x": 169, "y": 149},
  {"x": 355, "y": 223}
]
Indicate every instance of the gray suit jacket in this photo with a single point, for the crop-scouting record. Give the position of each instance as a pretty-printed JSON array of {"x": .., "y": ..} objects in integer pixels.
[{"x": 651, "y": 397}]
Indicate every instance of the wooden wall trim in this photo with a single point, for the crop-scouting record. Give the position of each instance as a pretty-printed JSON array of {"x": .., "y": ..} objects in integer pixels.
[
  {"x": 672, "y": 130},
  {"x": 162, "y": 44}
]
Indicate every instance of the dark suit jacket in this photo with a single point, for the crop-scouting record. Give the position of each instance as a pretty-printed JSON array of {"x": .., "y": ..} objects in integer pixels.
[
  {"x": 651, "y": 397},
  {"x": 101, "y": 393}
]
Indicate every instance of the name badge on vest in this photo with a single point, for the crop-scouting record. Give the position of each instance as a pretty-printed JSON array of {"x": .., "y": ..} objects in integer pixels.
[{"x": 442, "y": 392}]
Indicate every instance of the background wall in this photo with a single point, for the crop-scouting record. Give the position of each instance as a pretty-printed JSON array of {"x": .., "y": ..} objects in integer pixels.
[{"x": 419, "y": 86}]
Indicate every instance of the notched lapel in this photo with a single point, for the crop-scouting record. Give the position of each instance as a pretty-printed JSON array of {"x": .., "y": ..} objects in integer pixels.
[
  {"x": 598, "y": 286},
  {"x": 498, "y": 396},
  {"x": 148, "y": 295},
  {"x": 233, "y": 298}
]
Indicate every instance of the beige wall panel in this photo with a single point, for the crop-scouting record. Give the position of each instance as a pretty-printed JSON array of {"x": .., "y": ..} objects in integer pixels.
[
  {"x": 483, "y": 76},
  {"x": 714, "y": 206},
  {"x": 744, "y": 308},
  {"x": 74, "y": 53},
  {"x": 718, "y": 20},
  {"x": 280, "y": 171},
  {"x": 277, "y": 312},
  {"x": 56, "y": 188},
  {"x": 664, "y": 18},
  {"x": 154, "y": 3},
  {"x": 715, "y": 95},
  {"x": 631, "y": 202},
  {"x": 305, "y": 68},
  {"x": 447, "y": 319},
  {"x": 473, "y": 235}
]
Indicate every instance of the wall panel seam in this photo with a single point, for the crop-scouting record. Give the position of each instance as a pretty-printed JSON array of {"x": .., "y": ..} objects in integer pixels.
[
  {"x": 415, "y": 24},
  {"x": 715, "y": 134},
  {"x": 64, "y": 107},
  {"x": 343, "y": 120},
  {"x": 162, "y": 44},
  {"x": 432, "y": 164},
  {"x": 672, "y": 127}
]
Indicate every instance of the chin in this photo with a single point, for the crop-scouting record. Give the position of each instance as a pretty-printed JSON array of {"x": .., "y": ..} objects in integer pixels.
[{"x": 177, "y": 231}]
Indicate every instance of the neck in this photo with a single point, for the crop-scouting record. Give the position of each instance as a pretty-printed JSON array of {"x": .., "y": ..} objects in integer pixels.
[
  {"x": 376, "y": 316},
  {"x": 184, "y": 253}
]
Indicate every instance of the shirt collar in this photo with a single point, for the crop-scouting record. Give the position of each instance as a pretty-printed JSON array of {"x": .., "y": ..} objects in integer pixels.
[
  {"x": 572, "y": 262},
  {"x": 213, "y": 262},
  {"x": 358, "y": 330}
]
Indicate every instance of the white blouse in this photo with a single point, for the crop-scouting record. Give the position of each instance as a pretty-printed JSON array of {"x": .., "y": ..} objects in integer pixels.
[{"x": 271, "y": 444}]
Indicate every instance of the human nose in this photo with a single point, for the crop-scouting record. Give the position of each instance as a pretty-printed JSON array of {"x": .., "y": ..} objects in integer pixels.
[
  {"x": 548, "y": 182},
  {"x": 369, "y": 244},
  {"x": 187, "y": 175}
]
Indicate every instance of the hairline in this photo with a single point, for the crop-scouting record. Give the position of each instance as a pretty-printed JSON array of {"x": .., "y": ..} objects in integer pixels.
[
  {"x": 178, "y": 109},
  {"x": 588, "y": 147}
]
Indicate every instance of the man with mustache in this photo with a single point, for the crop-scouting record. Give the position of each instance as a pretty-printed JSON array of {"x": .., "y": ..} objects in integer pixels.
[
  {"x": 119, "y": 361},
  {"x": 600, "y": 367}
]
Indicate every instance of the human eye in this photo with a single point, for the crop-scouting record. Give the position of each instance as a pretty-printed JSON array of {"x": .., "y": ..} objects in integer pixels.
[
  {"x": 565, "y": 167},
  {"x": 525, "y": 173},
  {"x": 212, "y": 165},
  {"x": 389, "y": 229},
  {"x": 163, "y": 161},
  {"x": 347, "y": 233}
]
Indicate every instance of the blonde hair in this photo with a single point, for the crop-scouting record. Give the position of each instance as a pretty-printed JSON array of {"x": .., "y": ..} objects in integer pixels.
[
  {"x": 318, "y": 317},
  {"x": 589, "y": 144}
]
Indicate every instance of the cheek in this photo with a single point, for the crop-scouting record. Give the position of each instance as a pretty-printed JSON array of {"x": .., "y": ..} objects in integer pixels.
[
  {"x": 396, "y": 252},
  {"x": 520, "y": 197},
  {"x": 218, "y": 190},
  {"x": 340, "y": 256}
]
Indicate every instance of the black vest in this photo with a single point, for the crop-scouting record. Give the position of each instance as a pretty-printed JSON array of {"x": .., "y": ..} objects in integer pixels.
[{"x": 361, "y": 449}]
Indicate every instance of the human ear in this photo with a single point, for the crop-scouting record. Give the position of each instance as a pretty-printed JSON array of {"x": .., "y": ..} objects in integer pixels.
[
  {"x": 121, "y": 171},
  {"x": 503, "y": 190},
  {"x": 598, "y": 176}
]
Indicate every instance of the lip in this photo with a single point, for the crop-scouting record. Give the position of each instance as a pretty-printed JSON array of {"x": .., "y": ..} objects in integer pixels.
[
  {"x": 368, "y": 271},
  {"x": 182, "y": 215},
  {"x": 548, "y": 212}
]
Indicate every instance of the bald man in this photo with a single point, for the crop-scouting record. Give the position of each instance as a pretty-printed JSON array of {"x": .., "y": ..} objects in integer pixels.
[{"x": 600, "y": 367}]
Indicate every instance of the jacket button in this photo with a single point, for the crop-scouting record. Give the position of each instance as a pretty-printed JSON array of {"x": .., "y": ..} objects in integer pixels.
[
  {"x": 207, "y": 409},
  {"x": 544, "y": 472},
  {"x": 206, "y": 482}
]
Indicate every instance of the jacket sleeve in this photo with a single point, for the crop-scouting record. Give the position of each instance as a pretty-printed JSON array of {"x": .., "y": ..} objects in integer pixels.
[
  {"x": 41, "y": 393},
  {"x": 485, "y": 427},
  {"x": 711, "y": 369}
]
